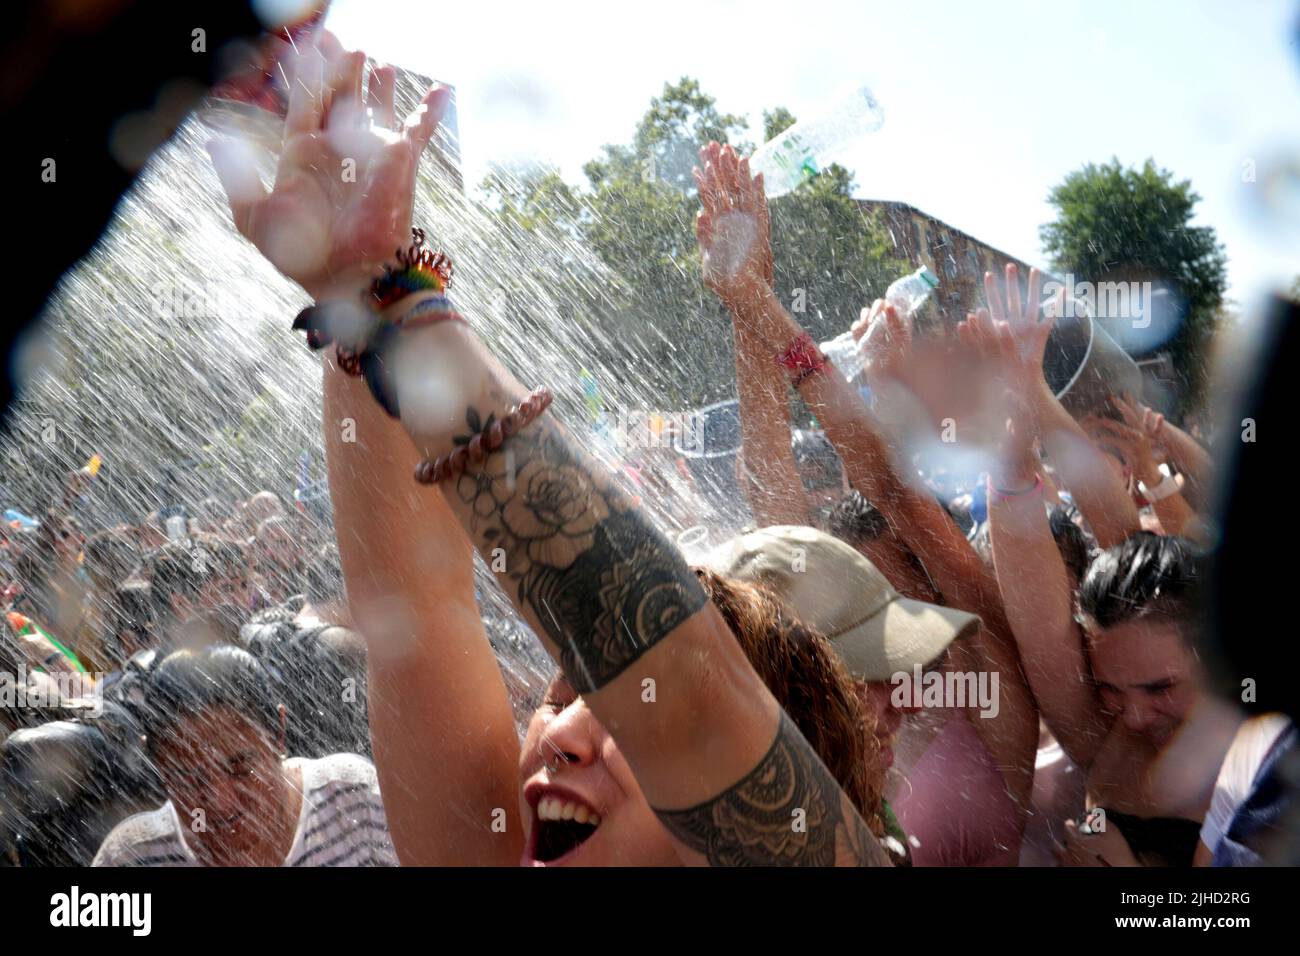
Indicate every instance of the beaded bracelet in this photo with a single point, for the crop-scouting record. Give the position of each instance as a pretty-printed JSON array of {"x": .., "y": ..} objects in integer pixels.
[
  {"x": 418, "y": 270},
  {"x": 363, "y": 333},
  {"x": 429, "y": 311},
  {"x": 482, "y": 443},
  {"x": 802, "y": 357}
]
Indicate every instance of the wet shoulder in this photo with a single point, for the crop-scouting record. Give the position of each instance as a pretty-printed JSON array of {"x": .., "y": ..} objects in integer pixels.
[
  {"x": 145, "y": 839},
  {"x": 343, "y": 823}
]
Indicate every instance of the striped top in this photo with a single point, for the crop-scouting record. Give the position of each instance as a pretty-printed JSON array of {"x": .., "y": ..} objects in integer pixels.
[{"x": 341, "y": 823}]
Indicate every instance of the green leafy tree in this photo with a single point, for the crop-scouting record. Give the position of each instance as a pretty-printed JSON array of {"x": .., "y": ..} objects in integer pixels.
[
  {"x": 776, "y": 122},
  {"x": 1123, "y": 224},
  {"x": 660, "y": 326}
]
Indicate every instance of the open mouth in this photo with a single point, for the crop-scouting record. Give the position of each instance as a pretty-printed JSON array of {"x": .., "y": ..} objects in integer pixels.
[{"x": 562, "y": 826}]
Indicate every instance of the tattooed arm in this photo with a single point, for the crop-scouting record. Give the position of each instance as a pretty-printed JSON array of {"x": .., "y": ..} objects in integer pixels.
[{"x": 616, "y": 605}]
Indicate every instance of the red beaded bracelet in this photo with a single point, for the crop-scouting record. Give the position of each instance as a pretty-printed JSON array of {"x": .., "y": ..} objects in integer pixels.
[
  {"x": 801, "y": 357},
  {"x": 483, "y": 443}
]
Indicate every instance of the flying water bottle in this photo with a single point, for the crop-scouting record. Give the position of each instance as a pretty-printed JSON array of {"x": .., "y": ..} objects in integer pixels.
[
  {"x": 800, "y": 152},
  {"x": 907, "y": 295}
]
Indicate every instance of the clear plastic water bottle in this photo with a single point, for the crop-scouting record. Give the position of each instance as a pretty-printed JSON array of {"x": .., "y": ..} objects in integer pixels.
[
  {"x": 803, "y": 150},
  {"x": 907, "y": 295}
]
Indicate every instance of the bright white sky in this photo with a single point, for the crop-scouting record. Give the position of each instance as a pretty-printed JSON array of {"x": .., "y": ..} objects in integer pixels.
[{"x": 987, "y": 105}]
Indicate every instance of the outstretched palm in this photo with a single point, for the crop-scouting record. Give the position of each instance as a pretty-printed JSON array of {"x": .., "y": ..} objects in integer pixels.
[
  {"x": 1020, "y": 326},
  {"x": 733, "y": 228},
  {"x": 343, "y": 189}
]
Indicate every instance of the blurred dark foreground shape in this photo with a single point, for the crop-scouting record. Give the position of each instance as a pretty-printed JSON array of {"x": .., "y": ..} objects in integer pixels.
[
  {"x": 72, "y": 71},
  {"x": 1250, "y": 643}
]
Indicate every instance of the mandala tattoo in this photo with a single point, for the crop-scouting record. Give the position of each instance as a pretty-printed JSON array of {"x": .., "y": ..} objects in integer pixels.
[
  {"x": 603, "y": 583},
  {"x": 787, "y": 811}
]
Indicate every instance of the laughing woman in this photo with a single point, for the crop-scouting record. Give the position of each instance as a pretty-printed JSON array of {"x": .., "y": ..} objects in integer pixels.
[{"x": 659, "y": 724}]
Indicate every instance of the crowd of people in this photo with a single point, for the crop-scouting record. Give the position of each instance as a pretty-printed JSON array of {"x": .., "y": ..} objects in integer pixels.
[{"x": 896, "y": 663}]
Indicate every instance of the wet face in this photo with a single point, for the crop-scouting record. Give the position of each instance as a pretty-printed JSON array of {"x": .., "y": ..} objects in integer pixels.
[
  {"x": 1147, "y": 676},
  {"x": 591, "y": 812},
  {"x": 878, "y": 698},
  {"x": 224, "y": 769}
]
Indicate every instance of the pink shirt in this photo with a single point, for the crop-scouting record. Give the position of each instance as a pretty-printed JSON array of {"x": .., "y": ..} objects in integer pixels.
[{"x": 958, "y": 808}]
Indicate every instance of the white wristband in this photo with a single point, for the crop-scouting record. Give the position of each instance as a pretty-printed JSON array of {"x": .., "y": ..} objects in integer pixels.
[{"x": 1167, "y": 487}]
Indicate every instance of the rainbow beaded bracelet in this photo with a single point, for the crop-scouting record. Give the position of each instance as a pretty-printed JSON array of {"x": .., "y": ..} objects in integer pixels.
[{"x": 364, "y": 332}]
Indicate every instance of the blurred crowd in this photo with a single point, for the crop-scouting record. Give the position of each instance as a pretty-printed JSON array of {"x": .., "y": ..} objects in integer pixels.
[
  {"x": 92, "y": 612},
  {"x": 946, "y": 615}
]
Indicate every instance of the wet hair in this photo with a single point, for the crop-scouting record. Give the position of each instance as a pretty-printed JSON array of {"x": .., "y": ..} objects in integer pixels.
[
  {"x": 177, "y": 573},
  {"x": 854, "y": 519},
  {"x": 312, "y": 667},
  {"x": 325, "y": 576},
  {"x": 1147, "y": 575},
  {"x": 815, "y": 457},
  {"x": 1077, "y": 546},
  {"x": 801, "y": 670},
  {"x": 190, "y": 682}
]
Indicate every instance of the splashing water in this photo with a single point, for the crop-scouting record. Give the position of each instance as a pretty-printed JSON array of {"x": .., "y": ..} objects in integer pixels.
[{"x": 168, "y": 352}]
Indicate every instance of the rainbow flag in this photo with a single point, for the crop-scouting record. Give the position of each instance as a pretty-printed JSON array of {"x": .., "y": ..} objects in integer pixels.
[{"x": 24, "y": 626}]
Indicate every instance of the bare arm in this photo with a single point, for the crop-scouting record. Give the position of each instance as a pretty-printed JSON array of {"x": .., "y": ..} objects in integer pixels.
[
  {"x": 772, "y": 485},
  {"x": 771, "y": 481},
  {"x": 1039, "y": 604},
  {"x": 961, "y": 577},
  {"x": 1182, "y": 452},
  {"x": 1134, "y": 443},
  {"x": 444, "y": 739},
  {"x": 728, "y": 194},
  {"x": 1031, "y": 575}
]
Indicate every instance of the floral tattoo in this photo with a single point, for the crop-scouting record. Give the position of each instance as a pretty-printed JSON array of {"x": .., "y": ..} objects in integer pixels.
[{"x": 604, "y": 584}]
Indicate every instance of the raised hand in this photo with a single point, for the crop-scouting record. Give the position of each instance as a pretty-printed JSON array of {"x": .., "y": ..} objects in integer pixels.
[
  {"x": 341, "y": 204},
  {"x": 1001, "y": 412},
  {"x": 885, "y": 339},
  {"x": 1023, "y": 365},
  {"x": 1136, "y": 415},
  {"x": 1130, "y": 445},
  {"x": 733, "y": 227}
]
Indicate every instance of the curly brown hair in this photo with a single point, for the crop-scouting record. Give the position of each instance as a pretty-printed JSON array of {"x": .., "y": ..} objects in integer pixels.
[{"x": 801, "y": 670}]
